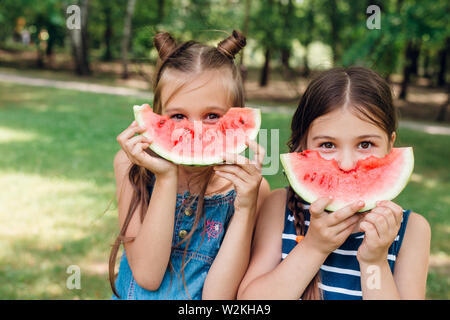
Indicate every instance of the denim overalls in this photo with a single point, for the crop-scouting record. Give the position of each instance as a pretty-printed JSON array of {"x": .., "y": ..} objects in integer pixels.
[{"x": 218, "y": 210}]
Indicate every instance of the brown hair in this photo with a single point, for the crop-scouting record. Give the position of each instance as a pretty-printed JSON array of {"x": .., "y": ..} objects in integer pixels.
[
  {"x": 190, "y": 58},
  {"x": 362, "y": 90}
]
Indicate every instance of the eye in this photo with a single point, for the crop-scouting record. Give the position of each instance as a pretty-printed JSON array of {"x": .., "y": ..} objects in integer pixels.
[
  {"x": 327, "y": 145},
  {"x": 177, "y": 116},
  {"x": 365, "y": 145},
  {"x": 212, "y": 117}
]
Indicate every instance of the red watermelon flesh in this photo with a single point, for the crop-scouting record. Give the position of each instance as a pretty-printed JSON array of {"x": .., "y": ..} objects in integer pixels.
[
  {"x": 196, "y": 142},
  {"x": 372, "y": 179}
]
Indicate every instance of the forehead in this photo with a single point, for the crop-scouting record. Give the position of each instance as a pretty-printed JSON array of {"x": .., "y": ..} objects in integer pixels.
[
  {"x": 342, "y": 122},
  {"x": 184, "y": 92}
]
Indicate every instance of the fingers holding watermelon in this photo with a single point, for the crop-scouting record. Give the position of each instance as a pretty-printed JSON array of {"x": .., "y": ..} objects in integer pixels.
[
  {"x": 327, "y": 231},
  {"x": 381, "y": 226},
  {"x": 139, "y": 139},
  {"x": 258, "y": 156},
  {"x": 317, "y": 208},
  {"x": 371, "y": 249},
  {"x": 136, "y": 149},
  {"x": 245, "y": 174},
  {"x": 251, "y": 167},
  {"x": 233, "y": 160},
  {"x": 396, "y": 209},
  {"x": 376, "y": 218},
  {"x": 346, "y": 212},
  {"x": 245, "y": 184},
  {"x": 258, "y": 152}
]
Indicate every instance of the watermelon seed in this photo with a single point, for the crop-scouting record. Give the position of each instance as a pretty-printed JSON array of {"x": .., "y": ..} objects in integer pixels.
[
  {"x": 313, "y": 177},
  {"x": 241, "y": 121},
  {"x": 321, "y": 180},
  {"x": 161, "y": 122}
]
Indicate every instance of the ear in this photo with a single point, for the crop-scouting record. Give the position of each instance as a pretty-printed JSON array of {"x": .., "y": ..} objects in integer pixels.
[{"x": 392, "y": 141}]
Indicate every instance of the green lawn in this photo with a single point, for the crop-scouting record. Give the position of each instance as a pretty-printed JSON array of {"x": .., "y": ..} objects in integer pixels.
[{"x": 57, "y": 182}]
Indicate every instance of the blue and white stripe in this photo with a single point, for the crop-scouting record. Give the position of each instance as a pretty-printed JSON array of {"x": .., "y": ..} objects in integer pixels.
[{"x": 340, "y": 276}]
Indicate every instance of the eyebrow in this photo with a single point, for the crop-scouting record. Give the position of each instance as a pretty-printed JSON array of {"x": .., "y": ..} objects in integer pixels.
[
  {"x": 323, "y": 137},
  {"x": 178, "y": 109},
  {"x": 369, "y": 136},
  {"x": 359, "y": 137}
]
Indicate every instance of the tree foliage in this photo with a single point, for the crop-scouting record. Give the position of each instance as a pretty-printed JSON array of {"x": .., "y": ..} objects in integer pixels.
[{"x": 273, "y": 27}]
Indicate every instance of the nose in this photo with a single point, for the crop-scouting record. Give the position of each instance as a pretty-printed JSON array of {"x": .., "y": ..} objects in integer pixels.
[
  {"x": 347, "y": 160},
  {"x": 195, "y": 118}
]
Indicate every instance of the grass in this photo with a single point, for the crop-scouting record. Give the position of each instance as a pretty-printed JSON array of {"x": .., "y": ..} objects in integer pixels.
[{"x": 57, "y": 181}]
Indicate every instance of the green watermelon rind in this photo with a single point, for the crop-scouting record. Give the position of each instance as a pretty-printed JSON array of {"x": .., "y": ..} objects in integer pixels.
[
  {"x": 201, "y": 161},
  {"x": 335, "y": 205}
]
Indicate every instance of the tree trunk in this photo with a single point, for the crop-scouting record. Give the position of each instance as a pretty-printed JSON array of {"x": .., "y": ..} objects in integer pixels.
[
  {"x": 334, "y": 21},
  {"x": 306, "y": 68},
  {"x": 51, "y": 40},
  {"x": 285, "y": 55},
  {"x": 243, "y": 69},
  {"x": 415, "y": 60},
  {"x": 264, "y": 80},
  {"x": 287, "y": 14},
  {"x": 443, "y": 53},
  {"x": 407, "y": 69},
  {"x": 39, "y": 56},
  {"x": 79, "y": 41},
  {"x": 443, "y": 109},
  {"x": 426, "y": 64},
  {"x": 107, "y": 56},
  {"x": 126, "y": 37},
  {"x": 161, "y": 11}
]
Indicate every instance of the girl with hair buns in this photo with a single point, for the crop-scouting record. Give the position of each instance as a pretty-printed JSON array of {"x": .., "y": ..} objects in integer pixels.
[{"x": 186, "y": 230}]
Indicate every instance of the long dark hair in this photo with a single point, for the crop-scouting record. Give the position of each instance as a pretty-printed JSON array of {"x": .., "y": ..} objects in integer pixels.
[
  {"x": 190, "y": 58},
  {"x": 362, "y": 90}
]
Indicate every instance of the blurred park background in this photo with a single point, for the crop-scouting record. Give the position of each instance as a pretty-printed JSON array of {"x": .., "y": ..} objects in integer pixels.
[{"x": 66, "y": 93}]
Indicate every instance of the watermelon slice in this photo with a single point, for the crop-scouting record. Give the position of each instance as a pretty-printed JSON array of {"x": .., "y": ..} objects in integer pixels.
[
  {"x": 372, "y": 179},
  {"x": 197, "y": 143}
]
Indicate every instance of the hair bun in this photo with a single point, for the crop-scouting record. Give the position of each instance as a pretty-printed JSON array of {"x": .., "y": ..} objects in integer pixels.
[
  {"x": 165, "y": 44},
  {"x": 232, "y": 45}
]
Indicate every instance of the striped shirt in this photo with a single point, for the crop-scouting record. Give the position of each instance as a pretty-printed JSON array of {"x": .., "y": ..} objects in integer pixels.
[{"x": 340, "y": 276}]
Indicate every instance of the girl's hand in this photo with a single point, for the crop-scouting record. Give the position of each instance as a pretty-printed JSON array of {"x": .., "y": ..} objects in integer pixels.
[
  {"x": 381, "y": 226},
  {"x": 245, "y": 175},
  {"x": 327, "y": 231},
  {"x": 135, "y": 147}
]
